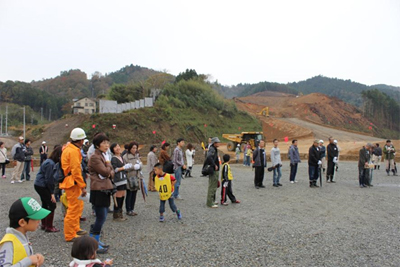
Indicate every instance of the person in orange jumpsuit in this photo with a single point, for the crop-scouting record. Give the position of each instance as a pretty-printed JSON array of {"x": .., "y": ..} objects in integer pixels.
[{"x": 73, "y": 184}]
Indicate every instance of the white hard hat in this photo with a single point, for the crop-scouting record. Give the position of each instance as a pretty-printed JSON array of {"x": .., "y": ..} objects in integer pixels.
[
  {"x": 77, "y": 134},
  {"x": 321, "y": 141},
  {"x": 335, "y": 141},
  {"x": 44, "y": 142},
  {"x": 85, "y": 141}
]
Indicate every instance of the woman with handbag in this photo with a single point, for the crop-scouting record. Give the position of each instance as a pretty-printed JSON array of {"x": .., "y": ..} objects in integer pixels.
[
  {"x": 3, "y": 159},
  {"x": 134, "y": 173},
  {"x": 101, "y": 186},
  {"x": 120, "y": 180}
]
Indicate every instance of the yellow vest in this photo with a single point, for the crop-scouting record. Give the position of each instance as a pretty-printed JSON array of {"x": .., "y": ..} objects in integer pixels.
[
  {"x": 19, "y": 252},
  {"x": 230, "y": 176},
  {"x": 164, "y": 186}
]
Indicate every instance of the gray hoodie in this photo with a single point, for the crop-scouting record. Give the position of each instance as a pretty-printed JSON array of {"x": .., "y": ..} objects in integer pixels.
[
  {"x": 294, "y": 154},
  {"x": 7, "y": 252}
]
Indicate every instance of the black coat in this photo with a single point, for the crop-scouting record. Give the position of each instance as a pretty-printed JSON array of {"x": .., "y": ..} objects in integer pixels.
[
  {"x": 364, "y": 157},
  {"x": 313, "y": 156},
  {"x": 212, "y": 157},
  {"x": 333, "y": 151}
]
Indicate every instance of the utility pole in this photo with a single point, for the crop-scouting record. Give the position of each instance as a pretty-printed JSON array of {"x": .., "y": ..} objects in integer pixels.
[
  {"x": 24, "y": 121},
  {"x": 1, "y": 128},
  {"x": 49, "y": 114},
  {"x": 6, "y": 133},
  {"x": 41, "y": 113},
  {"x": 32, "y": 119}
]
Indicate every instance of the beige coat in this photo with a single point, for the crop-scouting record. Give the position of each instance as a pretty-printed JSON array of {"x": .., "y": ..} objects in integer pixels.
[{"x": 134, "y": 159}]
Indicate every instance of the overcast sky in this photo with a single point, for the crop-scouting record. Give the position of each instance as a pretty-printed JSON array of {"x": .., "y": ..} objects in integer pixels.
[{"x": 233, "y": 41}]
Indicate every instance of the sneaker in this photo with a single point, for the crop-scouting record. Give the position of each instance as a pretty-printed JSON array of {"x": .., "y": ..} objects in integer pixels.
[
  {"x": 275, "y": 185},
  {"x": 4, "y": 177},
  {"x": 236, "y": 202},
  {"x": 20, "y": 181},
  {"x": 262, "y": 186},
  {"x": 178, "y": 198},
  {"x": 279, "y": 184},
  {"x": 224, "y": 204},
  {"x": 292, "y": 182},
  {"x": 295, "y": 181},
  {"x": 179, "y": 214},
  {"x": 12, "y": 182},
  {"x": 214, "y": 206},
  {"x": 162, "y": 218}
]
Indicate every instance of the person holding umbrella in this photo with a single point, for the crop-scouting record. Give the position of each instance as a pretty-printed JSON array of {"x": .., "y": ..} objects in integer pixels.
[{"x": 134, "y": 174}]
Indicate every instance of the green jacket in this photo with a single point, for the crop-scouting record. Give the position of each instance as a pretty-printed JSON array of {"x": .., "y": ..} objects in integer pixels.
[{"x": 389, "y": 151}]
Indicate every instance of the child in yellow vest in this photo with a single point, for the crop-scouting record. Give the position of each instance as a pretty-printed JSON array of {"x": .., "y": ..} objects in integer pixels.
[
  {"x": 25, "y": 215},
  {"x": 226, "y": 181},
  {"x": 164, "y": 184}
]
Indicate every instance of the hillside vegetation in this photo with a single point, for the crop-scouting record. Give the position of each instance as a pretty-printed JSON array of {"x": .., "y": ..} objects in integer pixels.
[{"x": 189, "y": 109}]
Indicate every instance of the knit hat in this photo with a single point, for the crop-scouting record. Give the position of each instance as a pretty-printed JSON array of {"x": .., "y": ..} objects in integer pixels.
[{"x": 27, "y": 207}]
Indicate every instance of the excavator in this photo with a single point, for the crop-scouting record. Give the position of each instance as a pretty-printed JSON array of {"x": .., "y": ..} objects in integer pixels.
[{"x": 264, "y": 112}]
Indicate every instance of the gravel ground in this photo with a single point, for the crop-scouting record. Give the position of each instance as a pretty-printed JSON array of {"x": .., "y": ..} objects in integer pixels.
[{"x": 336, "y": 225}]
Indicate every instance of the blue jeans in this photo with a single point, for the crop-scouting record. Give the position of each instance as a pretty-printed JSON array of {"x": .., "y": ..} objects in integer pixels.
[
  {"x": 293, "y": 171},
  {"x": 277, "y": 175},
  {"x": 26, "y": 171},
  {"x": 101, "y": 216},
  {"x": 171, "y": 205},
  {"x": 178, "y": 177},
  {"x": 313, "y": 172}
]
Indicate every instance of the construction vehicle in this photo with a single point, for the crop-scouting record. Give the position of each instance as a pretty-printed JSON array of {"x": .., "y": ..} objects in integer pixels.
[
  {"x": 234, "y": 139},
  {"x": 264, "y": 112}
]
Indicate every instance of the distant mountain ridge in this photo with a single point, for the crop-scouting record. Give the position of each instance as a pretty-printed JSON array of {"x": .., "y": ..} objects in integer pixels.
[{"x": 346, "y": 90}]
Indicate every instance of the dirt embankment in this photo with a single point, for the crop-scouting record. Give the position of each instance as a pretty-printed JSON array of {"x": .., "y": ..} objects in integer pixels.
[{"x": 309, "y": 117}]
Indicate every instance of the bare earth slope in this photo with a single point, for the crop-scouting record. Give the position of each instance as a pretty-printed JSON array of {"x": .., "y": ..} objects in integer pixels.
[{"x": 313, "y": 116}]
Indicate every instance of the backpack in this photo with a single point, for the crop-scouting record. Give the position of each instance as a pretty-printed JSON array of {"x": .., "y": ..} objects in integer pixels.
[{"x": 58, "y": 173}]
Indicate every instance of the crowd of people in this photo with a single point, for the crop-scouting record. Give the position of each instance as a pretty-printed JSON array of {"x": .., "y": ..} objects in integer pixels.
[{"x": 115, "y": 176}]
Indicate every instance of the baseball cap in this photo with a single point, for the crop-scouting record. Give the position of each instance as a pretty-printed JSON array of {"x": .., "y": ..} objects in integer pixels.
[
  {"x": 215, "y": 140},
  {"x": 27, "y": 207}
]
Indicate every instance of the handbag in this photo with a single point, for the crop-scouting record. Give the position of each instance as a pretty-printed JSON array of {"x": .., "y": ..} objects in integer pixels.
[
  {"x": 133, "y": 182},
  {"x": 112, "y": 191},
  {"x": 7, "y": 160},
  {"x": 207, "y": 170}
]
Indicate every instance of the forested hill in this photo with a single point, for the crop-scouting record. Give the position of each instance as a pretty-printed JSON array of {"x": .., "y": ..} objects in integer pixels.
[
  {"x": 75, "y": 83},
  {"x": 346, "y": 90}
]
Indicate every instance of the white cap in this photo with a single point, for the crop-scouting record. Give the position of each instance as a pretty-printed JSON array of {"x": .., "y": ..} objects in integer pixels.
[
  {"x": 44, "y": 142},
  {"x": 335, "y": 141},
  {"x": 321, "y": 141},
  {"x": 238, "y": 145}
]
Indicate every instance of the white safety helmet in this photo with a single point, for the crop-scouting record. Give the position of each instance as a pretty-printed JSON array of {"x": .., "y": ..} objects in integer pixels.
[
  {"x": 321, "y": 141},
  {"x": 85, "y": 141},
  {"x": 77, "y": 134},
  {"x": 335, "y": 142}
]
